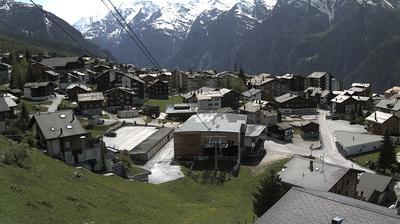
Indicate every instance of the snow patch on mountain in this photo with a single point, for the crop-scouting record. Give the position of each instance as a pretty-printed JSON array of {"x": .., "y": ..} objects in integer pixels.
[
  {"x": 173, "y": 17},
  {"x": 327, "y": 7}
]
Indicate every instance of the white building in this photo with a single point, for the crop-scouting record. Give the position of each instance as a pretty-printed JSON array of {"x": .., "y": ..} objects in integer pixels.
[
  {"x": 350, "y": 144},
  {"x": 209, "y": 100}
]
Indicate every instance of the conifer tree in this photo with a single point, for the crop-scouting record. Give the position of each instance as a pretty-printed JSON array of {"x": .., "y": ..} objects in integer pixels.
[{"x": 387, "y": 155}]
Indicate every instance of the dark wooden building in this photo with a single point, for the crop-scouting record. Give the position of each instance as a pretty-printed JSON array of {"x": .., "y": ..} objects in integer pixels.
[
  {"x": 74, "y": 89},
  {"x": 230, "y": 98},
  {"x": 121, "y": 98},
  {"x": 292, "y": 104},
  {"x": 38, "y": 90},
  {"x": 310, "y": 130},
  {"x": 158, "y": 90},
  {"x": 91, "y": 103}
]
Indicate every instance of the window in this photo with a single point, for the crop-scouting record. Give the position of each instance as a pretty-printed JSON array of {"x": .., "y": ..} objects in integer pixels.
[
  {"x": 67, "y": 145},
  {"x": 62, "y": 116},
  {"x": 347, "y": 182},
  {"x": 69, "y": 126}
]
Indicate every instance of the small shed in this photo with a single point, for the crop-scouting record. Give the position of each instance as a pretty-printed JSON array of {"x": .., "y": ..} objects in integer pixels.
[
  {"x": 282, "y": 131},
  {"x": 310, "y": 130}
]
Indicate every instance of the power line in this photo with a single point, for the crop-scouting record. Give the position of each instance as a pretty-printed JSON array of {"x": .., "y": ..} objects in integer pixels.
[
  {"x": 62, "y": 28},
  {"x": 130, "y": 28},
  {"x": 130, "y": 35}
]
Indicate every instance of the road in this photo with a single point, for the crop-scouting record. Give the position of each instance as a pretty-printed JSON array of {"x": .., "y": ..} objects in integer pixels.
[
  {"x": 161, "y": 167},
  {"x": 328, "y": 148},
  {"x": 56, "y": 101}
]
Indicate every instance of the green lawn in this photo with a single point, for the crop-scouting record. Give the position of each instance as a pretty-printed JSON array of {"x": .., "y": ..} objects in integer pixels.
[
  {"x": 66, "y": 104},
  {"x": 49, "y": 192},
  {"x": 95, "y": 131},
  {"x": 163, "y": 103},
  {"x": 371, "y": 157},
  {"x": 105, "y": 116},
  {"x": 34, "y": 106}
]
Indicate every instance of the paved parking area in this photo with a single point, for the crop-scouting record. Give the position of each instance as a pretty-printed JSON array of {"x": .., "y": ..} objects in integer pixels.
[
  {"x": 161, "y": 167},
  {"x": 129, "y": 137},
  {"x": 341, "y": 125}
]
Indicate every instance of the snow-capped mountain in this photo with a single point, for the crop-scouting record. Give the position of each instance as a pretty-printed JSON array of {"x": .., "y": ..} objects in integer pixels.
[{"x": 164, "y": 25}]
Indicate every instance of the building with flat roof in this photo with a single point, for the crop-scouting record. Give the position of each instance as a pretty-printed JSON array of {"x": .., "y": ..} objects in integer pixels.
[
  {"x": 201, "y": 134},
  {"x": 321, "y": 176},
  {"x": 181, "y": 111},
  {"x": 350, "y": 144},
  {"x": 316, "y": 207},
  {"x": 149, "y": 147}
]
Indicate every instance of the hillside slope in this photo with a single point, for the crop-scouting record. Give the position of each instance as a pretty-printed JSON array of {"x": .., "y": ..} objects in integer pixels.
[{"x": 49, "y": 192}]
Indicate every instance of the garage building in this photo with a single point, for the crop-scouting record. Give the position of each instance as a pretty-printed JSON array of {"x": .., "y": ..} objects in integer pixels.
[
  {"x": 149, "y": 147},
  {"x": 350, "y": 144}
]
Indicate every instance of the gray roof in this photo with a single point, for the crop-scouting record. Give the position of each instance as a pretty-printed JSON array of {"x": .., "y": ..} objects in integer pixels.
[
  {"x": 255, "y": 130},
  {"x": 51, "y": 124},
  {"x": 3, "y": 105},
  {"x": 52, "y": 73},
  {"x": 59, "y": 62},
  {"x": 151, "y": 141},
  {"x": 81, "y": 86},
  {"x": 201, "y": 90},
  {"x": 300, "y": 206},
  {"x": 251, "y": 107},
  {"x": 369, "y": 182},
  {"x": 286, "y": 97},
  {"x": 317, "y": 90},
  {"x": 393, "y": 104},
  {"x": 87, "y": 97},
  {"x": 349, "y": 139},
  {"x": 123, "y": 89},
  {"x": 131, "y": 76},
  {"x": 297, "y": 173},
  {"x": 283, "y": 126},
  {"x": 35, "y": 85},
  {"x": 214, "y": 122},
  {"x": 317, "y": 75},
  {"x": 251, "y": 92}
]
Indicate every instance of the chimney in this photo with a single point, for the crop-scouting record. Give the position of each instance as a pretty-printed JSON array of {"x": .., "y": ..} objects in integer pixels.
[
  {"x": 73, "y": 118},
  {"x": 61, "y": 132},
  {"x": 337, "y": 220},
  {"x": 311, "y": 165},
  {"x": 376, "y": 119}
]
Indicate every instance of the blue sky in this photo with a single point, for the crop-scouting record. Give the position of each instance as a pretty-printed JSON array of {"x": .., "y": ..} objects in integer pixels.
[{"x": 73, "y": 10}]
